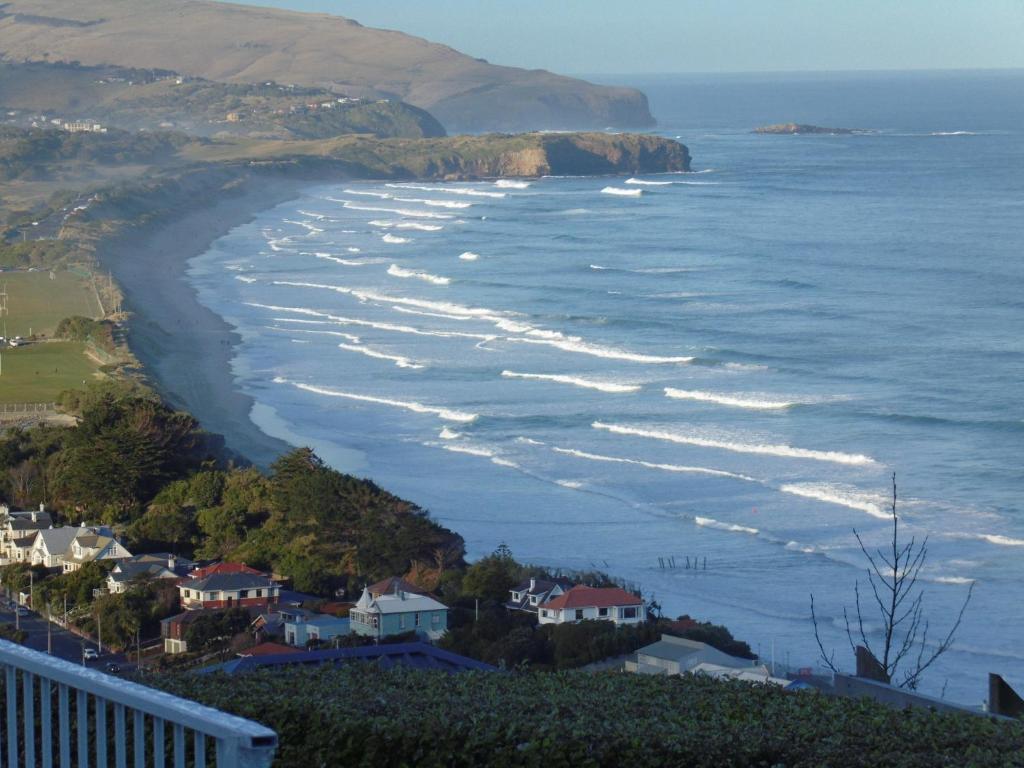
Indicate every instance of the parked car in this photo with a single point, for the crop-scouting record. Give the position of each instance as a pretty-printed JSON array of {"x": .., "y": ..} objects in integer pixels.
[
  {"x": 112, "y": 668},
  {"x": 90, "y": 654}
]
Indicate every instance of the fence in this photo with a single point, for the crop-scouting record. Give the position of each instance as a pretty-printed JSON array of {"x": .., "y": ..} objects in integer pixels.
[
  {"x": 26, "y": 409},
  {"x": 31, "y": 737}
]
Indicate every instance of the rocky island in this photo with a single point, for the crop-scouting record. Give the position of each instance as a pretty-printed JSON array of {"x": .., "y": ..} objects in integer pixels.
[{"x": 792, "y": 129}]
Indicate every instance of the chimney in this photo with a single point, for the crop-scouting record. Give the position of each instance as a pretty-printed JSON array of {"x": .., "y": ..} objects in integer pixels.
[
  {"x": 172, "y": 562},
  {"x": 533, "y": 584},
  {"x": 35, "y": 517},
  {"x": 42, "y": 507}
]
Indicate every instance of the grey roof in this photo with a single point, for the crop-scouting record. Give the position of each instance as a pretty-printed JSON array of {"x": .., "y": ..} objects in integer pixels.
[
  {"x": 228, "y": 581},
  {"x": 58, "y": 540},
  {"x": 690, "y": 653}
]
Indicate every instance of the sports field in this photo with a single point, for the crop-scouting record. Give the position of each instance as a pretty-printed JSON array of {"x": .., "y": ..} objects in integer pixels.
[
  {"x": 35, "y": 303},
  {"x": 38, "y": 373}
]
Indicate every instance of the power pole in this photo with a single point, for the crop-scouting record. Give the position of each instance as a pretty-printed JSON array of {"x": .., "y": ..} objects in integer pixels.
[
  {"x": 99, "y": 634},
  {"x": 49, "y": 631}
]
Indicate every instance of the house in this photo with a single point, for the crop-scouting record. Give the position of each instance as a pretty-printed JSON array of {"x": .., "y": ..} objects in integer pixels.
[
  {"x": 677, "y": 656},
  {"x": 759, "y": 674},
  {"x": 50, "y": 546},
  {"x": 222, "y": 567},
  {"x": 18, "y": 531},
  {"x": 149, "y": 567},
  {"x": 600, "y": 603},
  {"x": 224, "y": 590},
  {"x": 395, "y": 614},
  {"x": 90, "y": 547},
  {"x": 319, "y": 627},
  {"x": 531, "y": 594}
]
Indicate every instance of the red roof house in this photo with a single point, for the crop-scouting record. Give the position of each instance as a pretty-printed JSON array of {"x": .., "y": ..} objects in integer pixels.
[{"x": 597, "y": 603}]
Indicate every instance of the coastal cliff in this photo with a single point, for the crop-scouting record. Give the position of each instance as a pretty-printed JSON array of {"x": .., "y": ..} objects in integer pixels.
[
  {"x": 241, "y": 44},
  {"x": 461, "y": 157}
]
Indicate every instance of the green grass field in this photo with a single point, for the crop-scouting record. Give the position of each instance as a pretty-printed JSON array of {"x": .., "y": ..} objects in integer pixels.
[
  {"x": 36, "y": 302},
  {"x": 38, "y": 373}
]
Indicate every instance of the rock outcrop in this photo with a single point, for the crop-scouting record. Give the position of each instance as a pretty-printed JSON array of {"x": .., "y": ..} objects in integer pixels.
[
  {"x": 798, "y": 128},
  {"x": 239, "y": 44}
]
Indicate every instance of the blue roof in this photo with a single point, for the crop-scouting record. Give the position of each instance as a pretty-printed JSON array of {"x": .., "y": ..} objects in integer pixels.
[{"x": 412, "y": 655}]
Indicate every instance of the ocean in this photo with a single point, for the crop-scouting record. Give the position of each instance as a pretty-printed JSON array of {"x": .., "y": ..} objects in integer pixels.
[{"x": 723, "y": 367}]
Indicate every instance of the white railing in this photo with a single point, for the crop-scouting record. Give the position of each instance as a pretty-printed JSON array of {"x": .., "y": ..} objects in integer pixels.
[{"x": 35, "y": 732}]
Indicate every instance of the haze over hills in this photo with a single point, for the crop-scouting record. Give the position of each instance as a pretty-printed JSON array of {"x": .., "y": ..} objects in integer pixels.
[{"x": 243, "y": 44}]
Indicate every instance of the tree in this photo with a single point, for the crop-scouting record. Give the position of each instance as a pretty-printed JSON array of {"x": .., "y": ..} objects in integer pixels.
[
  {"x": 893, "y": 577},
  {"x": 492, "y": 577}
]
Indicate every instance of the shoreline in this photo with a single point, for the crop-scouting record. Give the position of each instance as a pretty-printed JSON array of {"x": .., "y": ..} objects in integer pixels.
[{"x": 185, "y": 349}]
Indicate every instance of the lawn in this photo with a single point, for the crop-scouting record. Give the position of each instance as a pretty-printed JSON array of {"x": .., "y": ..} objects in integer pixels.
[
  {"x": 36, "y": 302},
  {"x": 38, "y": 373}
]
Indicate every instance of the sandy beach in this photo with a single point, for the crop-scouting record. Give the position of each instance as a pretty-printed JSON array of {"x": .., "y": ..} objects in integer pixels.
[{"x": 187, "y": 349}]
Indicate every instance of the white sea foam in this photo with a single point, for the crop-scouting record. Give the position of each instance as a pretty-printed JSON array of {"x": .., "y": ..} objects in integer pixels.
[
  {"x": 576, "y": 381},
  {"x": 622, "y": 192},
  {"x": 449, "y": 190},
  {"x": 448, "y": 434},
  {"x": 395, "y": 239},
  {"x": 469, "y": 449},
  {"x": 339, "y": 260},
  {"x": 951, "y": 579},
  {"x": 336, "y": 334},
  {"x": 652, "y": 465},
  {"x": 299, "y": 341},
  {"x": 953, "y": 133},
  {"x": 312, "y": 215},
  {"x": 244, "y": 279},
  {"x": 511, "y": 184},
  {"x": 529, "y": 441},
  {"x": 469, "y": 256},
  {"x": 787, "y": 451},
  {"x": 401, "y": 362},
  {"x": 441, "y": 315},
  {"x": 305, "y": 225},
  {"x": 832, "y": 494},
  {"x": 367, "y": 193},
  {"x": 341, "y": 320},
  {"x": 991, "y": 538},
  {"x": 498, "y": 461},
  {"x": 396, "y": 271},
  {"x": 753, "y": 402},
  {"x": 576, "y": 344},
  {"x": 353, "y": 249},
  {"x": 397, "y": 211},
  {"x": 416, "y": 225},
  {"x": 573, "y": 485},
  {"x": 708, "y": 522},
  {"x": 434, "y": 203},
  {"x": 745, "y": 367},
  {"x": 645, "y": 183},
  {"x": 447, "y": 414}
]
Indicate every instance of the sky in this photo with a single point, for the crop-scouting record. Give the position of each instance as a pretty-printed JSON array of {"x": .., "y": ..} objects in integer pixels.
[{"x": 672, "y": 36}]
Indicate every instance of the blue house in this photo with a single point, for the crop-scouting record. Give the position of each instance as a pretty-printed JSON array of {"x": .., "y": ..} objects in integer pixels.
[
  {"x": 303, "y": 629},
  {"x": 394, "y": 614}
]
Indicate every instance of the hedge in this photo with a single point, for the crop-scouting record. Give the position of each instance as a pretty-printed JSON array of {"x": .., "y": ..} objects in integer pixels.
[{"x": 362, "y": 715}]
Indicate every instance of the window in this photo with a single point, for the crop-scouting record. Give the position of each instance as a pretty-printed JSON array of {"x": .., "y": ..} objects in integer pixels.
[
  {"x": 187, "y": 593},
  {"x": 602, "y": 612},
  {"x": 401, "y": 621},
  {"x": 259, "y": 593},
  {"x": 579, "y": 614},
  {"x": 243, "y": 593},
  {"x": 533, "y": 599},
  {"x": 629, "y": 613},
  {"x": 517, "y": 596},
  {"x": 435, "y": 619},
  {"x": 544, "y": 612},
  {"x": 417, "y": 619}
]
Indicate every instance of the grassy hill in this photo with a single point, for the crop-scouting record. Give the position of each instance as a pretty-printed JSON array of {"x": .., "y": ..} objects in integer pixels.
[
  {"x": 154, "y": 99},
  {"x": 241, "y": 44}
]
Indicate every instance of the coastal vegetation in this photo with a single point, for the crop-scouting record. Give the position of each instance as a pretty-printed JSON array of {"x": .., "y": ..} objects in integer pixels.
[{"x": 364, "y": 715}]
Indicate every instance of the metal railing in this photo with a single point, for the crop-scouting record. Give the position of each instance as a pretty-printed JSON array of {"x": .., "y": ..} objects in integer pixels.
[{"x": 52, "y": 703}]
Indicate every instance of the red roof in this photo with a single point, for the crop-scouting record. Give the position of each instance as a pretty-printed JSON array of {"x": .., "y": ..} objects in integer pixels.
[
  {"x": 202, "y": 573},
  {"x": 393, "y": 586},
  {"x": 269, "y": 649},
  {"x": 593, "y": 597}
]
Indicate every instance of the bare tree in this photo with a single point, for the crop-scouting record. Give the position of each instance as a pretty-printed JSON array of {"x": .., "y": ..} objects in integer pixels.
[{"x": 893, "y": 574}]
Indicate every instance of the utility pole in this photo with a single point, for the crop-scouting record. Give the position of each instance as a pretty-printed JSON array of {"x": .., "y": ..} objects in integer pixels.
[
  {"x": 49, "y": 631},
  {"x": 99, "y": 634},
  {"x": 65, "y": 610}
]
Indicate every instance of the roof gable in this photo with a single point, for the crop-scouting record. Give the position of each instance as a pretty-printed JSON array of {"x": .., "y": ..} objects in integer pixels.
[{"x": 593, "y": 597}]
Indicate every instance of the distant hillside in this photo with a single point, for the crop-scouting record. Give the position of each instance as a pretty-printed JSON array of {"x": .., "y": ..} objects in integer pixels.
[
  {"x": 242, "y": 44},
  {"x": 159, "y": 100}
]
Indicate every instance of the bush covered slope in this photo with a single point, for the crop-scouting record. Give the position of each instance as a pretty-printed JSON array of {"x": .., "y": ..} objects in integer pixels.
[{"x": 365, "y": 716}]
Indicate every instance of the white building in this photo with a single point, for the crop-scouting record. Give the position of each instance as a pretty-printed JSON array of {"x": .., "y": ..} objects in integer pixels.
[{"x": 593, "y": 603}]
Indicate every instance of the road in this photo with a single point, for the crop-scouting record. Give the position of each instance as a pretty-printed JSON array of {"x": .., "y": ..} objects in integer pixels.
[{"x": 65, "y": 645}]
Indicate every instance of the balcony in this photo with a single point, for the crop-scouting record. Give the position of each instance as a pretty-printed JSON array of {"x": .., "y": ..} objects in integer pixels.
[{"x": 59, "y": 713}]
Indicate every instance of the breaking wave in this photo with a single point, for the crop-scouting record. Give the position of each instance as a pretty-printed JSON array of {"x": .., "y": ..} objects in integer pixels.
[
  {"x": 622, "y": 192},
  {"x": 395, "y": 239},
  {"x": 396, "y": 271},
  {"x": 397, "y": 211},
  {"x": 644, "y": 182},
  {"x": 652, "y": 465},
  {"x": 401, "y": 362},
  {"x": 448, "y": 434},
  {"x": 511, "y": 184},
  {"x": 831, "y": 494},
  {"x": 708, "y": 522},
  {"x": 747, "y": 401},
  {"x": 601, "y": 386},
  {"x": 339, "y": 260},
  {"x": 447, "y": 414},
  {"x": 469, "y": 256},
  {"x": 991, "y": 538},
  {"x": 433, "y": 203},
  {"x": 756, "y": 448},
  {"x": 449, "y": 190},
  {"x": 576, "y": 344}
]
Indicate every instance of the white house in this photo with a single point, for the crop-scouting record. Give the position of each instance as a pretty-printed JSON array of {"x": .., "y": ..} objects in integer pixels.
[
  {"x": 161, "y": 565},
  {"x": 18, "y": 531},
  {"x": 96, "y": 544},
  {"x": 529, "y": 595},
  {"x": 602, "y": 604},
  {"x": 50, "y": 546}
]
